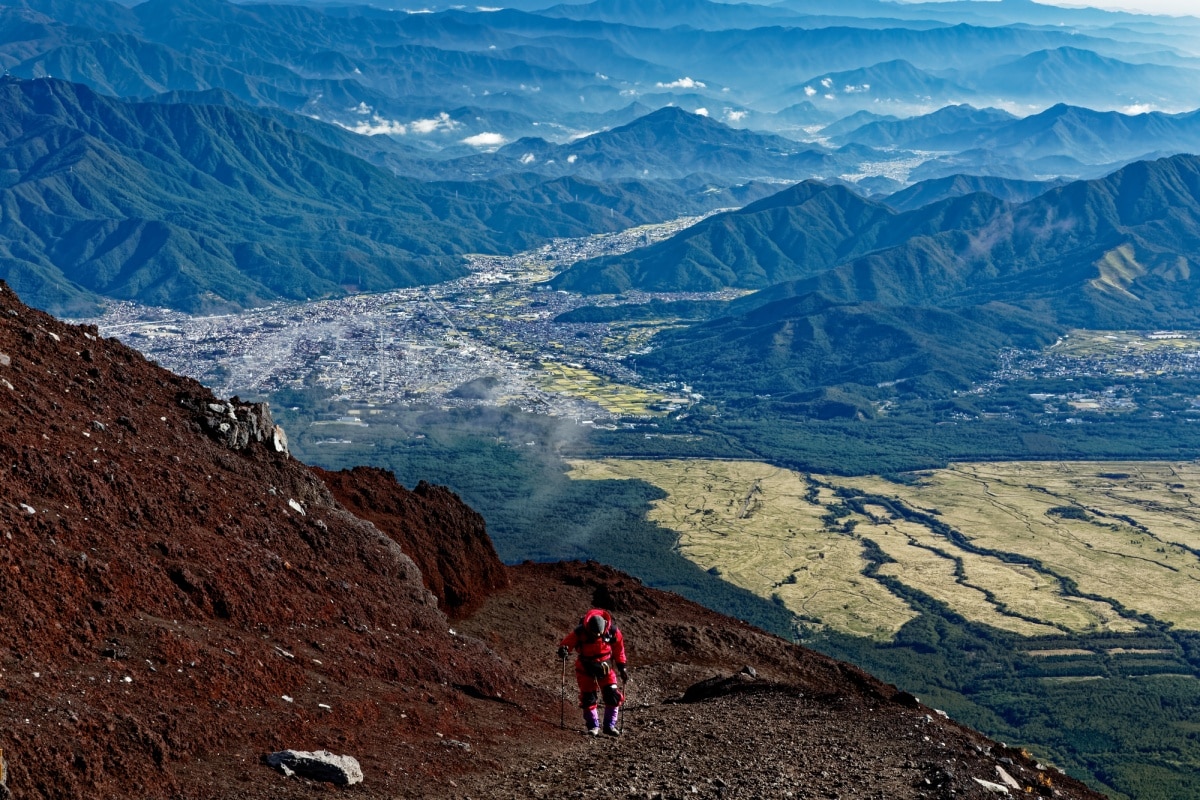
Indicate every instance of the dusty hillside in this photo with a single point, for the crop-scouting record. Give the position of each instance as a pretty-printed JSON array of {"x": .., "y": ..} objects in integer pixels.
[
  {"x": 163, "y": 593},
  {"x": 180, "y": 597}
]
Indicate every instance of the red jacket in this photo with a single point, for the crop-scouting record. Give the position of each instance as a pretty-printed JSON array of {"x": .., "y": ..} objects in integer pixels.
[{"x": 593, "y": 648}]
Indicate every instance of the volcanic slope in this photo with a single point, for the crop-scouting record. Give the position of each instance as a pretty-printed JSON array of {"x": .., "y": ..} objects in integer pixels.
[{"x": 182, "y": 598}]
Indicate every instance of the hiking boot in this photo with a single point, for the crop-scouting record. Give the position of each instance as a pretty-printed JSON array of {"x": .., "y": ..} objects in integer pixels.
[
  {"x": 593, "y": 731},
  {"x": 611, "y": 731}
]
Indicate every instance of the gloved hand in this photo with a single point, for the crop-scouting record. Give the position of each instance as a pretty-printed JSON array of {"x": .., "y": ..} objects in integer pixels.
[
  {"x": 624, "y": 673},
  {"x": 563, "y": 651}
]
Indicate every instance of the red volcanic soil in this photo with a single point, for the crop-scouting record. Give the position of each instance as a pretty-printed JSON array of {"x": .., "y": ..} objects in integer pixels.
[{"x": 179, "y": 598}]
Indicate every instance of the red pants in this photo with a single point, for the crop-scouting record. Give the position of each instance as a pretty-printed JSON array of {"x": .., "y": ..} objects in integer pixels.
[{"x": 590, "y": 687}]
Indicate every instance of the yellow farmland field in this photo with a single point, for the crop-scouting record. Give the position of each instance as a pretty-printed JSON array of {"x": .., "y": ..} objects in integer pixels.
[
  {"x": 616, "y": 398},
  {"x": 1138, "y": 544},
  {"x": 1133, "y": 538},
  {"x": 751, "y": 522}
]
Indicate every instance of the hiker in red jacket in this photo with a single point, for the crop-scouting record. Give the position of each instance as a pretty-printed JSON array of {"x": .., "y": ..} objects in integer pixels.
[{"x": 597, "y": 641}]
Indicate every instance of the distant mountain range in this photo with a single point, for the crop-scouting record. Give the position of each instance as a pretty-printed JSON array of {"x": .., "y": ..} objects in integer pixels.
[
  {"x": 204, "y": 207},
  {"x": 857, "y": 292},
  {"x": 667, "y": 143},
  {"x": 1115, "y": 251},
  {"x": 376, "y": 69},
  {"x": 1060, "y": 141}
]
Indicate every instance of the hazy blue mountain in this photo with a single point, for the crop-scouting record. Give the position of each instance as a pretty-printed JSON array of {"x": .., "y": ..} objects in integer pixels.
[
  {"x": 669, "y": 13},
  {"x": 516, "y": 72},
  {"x": 933, "y": 311},
  {"x": 214, "y": 207},
  {"x": 954, "y": 127},
  {"x": 1082, "y": 77},
  {"x": 887, "y": 84},
  {"x": 983, "y": 161},
  {"x": 852, "y": 122},
  {"x": 667, "y": 143},
  {"x": 932, "y": 191},
  {"x": 1062, "y": 140},
  {"x": 1003, "y": 12},
  {"x": 1094, "y": 137}
]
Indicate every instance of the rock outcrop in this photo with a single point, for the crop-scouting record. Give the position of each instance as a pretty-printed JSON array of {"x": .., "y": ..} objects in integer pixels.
[
  {"x": 447, "y": 539},
  {"x": 236, "y": 424}
]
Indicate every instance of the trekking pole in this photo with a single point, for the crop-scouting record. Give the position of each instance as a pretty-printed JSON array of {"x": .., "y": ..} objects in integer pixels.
[
  {"x": 625, "y": 702},
  {"x": 562, "y": 697}
]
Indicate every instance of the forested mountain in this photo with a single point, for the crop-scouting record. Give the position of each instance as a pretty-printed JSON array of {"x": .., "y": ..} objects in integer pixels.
[
  {"x": 859, "y": 293},
  {"x": 799, "y": 232},
  {"x": 932, "y": 191},
  {"x": 807, "y": 344},
  {"x": 198, "y": 206}
]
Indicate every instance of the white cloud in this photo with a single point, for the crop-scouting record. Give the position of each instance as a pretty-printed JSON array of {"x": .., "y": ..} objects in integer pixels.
[
  {"x": 809, "y": 91},
  {"x": 362, "y": 108},
  {"x": 865, "y": 87},
  {"x": 827, "y": 83},
  {"x": 1139, "y": 108},
  {"x": 528, "y": 158},
  {"x": 682, "y": 83},
  {"x": 571, "y": 159},
  {"x": 629, "y": 92},
  {"x": 441, "y": 122},
  {"x": 418, "y": 11},
  {"x": 828, "y": 97},
  {"x": 376, "y": 126},
  {"x": 702, "y": 112},
  {"x": 733, "y": 115},
  {"x": 485, "y": 140},
  {"x": 487, "y": 8},
  {"x": 601, "y": 76}
]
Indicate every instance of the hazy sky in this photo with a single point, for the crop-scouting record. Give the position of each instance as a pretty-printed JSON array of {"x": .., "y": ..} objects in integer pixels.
[{"x": 1190, "y": 7}]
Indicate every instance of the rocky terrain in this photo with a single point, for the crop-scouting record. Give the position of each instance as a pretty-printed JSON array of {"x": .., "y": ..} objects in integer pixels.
[{"x": 181, "y": 598}]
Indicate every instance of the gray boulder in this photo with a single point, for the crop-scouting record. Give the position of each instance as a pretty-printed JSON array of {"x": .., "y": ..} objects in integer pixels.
[{"x": 318, "y": 766}]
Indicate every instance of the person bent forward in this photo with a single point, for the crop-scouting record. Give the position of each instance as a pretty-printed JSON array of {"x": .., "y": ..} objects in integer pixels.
[{"x": 600, "y": 658}]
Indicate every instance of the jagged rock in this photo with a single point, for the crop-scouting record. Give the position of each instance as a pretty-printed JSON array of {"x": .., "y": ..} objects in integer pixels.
[
  {"x": 236, "y": 424},
  {"x": 5, "y": 360},
  {"x": 1006, "y": 779},
  {"x": 994, "y": 788},
  {"x": 320, "y": 765}
]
